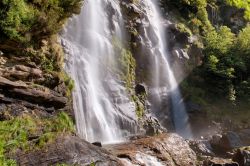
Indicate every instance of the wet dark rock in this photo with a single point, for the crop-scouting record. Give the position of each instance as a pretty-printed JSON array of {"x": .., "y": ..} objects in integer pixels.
[
  {"x": 242, "y": 156},
  {"x": 99, "y": 144},
  {"x": 68, "y": 150},
  {"x": 140, "y": 89}
]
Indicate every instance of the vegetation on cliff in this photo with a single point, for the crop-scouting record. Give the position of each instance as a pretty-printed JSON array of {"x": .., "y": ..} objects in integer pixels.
[
  {"x": 27, "y": 133},
  {"x": 218, "y": 90},
  {"x": 28, "y": 29},
  {"x": 28, "y": 38},
  {"x": 225, "y": 69},
  {"x": 27, "y": 21},
  {"x": 241, "y": 4}
]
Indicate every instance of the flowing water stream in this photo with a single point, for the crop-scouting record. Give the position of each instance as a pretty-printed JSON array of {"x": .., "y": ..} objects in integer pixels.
[{"x": 103, "y": 109}]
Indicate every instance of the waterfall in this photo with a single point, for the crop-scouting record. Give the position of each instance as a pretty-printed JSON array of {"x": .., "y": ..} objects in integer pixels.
[
  {"x": 102, "y": 107},
  {"x": 163, "y": 78}
]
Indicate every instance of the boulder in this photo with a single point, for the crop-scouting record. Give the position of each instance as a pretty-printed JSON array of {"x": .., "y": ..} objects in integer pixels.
[
  {"x": 69, "y": 150},
  {"x": 242, "y": 156},
  {"x": 201, "y": 147},
  {"x": 152, "y": 126},
  {"x": 219, "y": 162},
  {"x": 230, "y": 140},
  {"x": 164, "y": 149},
  {"x": 226, "y": 142},
  {"x": 245, "y": 136}
]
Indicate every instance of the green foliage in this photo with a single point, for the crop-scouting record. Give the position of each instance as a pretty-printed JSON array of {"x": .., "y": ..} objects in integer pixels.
[
  {"x": 16, "y": 133},
  {"x": 219, "y": 41},
  {"x": 128, "y": 65},
  {"x": 68, "y": 81},
  {"x": 195, "y": 93},
  {"x": 194, "y": 14},
  {"x": 92, "y": 164},
  {"x": 140, "y": 104},
  {"x": 24, "y": 20},
  {"x": 243, "y": 41},
  {"x": 245, "y": 4},
  {"x": 16, "y": 18},
  {"x": 184, "y": 29},
  {"x": 226, "y": 65}
]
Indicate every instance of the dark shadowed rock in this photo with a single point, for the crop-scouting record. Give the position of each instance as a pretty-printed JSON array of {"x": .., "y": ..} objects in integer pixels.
[
  {"x": 226, "y": 142},
  {"x": 242, "y": 156},
  {"x": 140, "y": 89},
  {"x": 245, "y": 136},
  {"x": 68, "y": 150},
  {"x": 99, "y": 144}
]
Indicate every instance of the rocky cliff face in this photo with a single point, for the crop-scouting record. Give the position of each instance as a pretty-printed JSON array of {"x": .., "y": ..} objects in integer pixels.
[
  {"x": 183, "y": 52},
  {"x": 23, "y": 83},
  {"x": 31, "y": 101}
]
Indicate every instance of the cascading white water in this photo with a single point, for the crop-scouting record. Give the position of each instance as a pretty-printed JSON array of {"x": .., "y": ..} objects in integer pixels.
[
  {"x": 99, "y": 98},
  {"x": 156, "y": 34}
]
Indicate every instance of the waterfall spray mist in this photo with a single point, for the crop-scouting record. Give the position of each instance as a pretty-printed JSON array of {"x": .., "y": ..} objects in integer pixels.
[{"x": 163, "y": 74}]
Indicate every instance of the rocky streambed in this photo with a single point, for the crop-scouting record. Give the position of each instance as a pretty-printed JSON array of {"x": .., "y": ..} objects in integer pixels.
[{"x": 162, "y": 150}]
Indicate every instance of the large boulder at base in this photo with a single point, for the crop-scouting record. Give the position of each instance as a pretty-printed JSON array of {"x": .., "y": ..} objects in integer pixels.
[
  {"x": 165, "y": 149},
  {"x": 226, "y": 142},
  {"x": 69, "y": 150}
]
